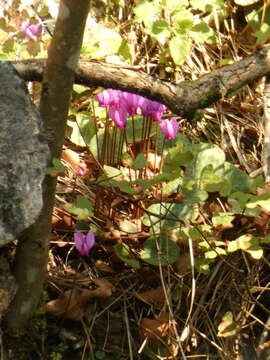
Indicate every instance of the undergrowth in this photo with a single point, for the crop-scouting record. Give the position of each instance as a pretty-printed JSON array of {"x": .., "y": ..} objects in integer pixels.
[{"x": 180, "y": 267}]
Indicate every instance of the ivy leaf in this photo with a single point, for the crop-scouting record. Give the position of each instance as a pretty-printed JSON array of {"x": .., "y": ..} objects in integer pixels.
[
  {"x": 123, "y": 252},
  {"x": 139, "y": 162},
  {"x": 8, "y": 45},
  {"x": 206, "y": 5},
  {"x": 111, "y": 172},
  {"x": 183, "y": 21},
  {"x": 247, "y": 243},
  {"x": 146, "y": 11},
  {"x": 227, "y": 327},
  {"x": 83, "y": 208},
  {"x": 57, "y": 169},
  {"x": 202, "y": 33},
  {"x": 160, "y": 31},
  {"x": 180, "y": 47},
  {"x": 223, "y": 220},
  {"x": 164, "y": 253}
]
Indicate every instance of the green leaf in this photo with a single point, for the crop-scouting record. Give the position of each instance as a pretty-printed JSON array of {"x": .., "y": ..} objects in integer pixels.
[
  {"x": 183, "y": 21},
  {"x": 194, "y": 195},
  {"x": 233, "y": 246},
  {"x": 172, "y": 186},
  {"x": 83, "y": 208},
  {"x": 227, "y": 327},
  {"x": 160, "y": 31},
  {"x": 58, "y": 165},
  {"x": 111, "y": 172},
  {"x": 175, "y": 5},
  {"x": 57, "y": 168},
  {"x": 8, "y": 45},
  {"x": 33, "y": 47},
  {"x": 238, "y": 201},
  {"x": 83, "y": 129},
  {"x": 202, "y": 33},
  {"x": 139, "y": 162},
  {"x": 161, "y": 251},
  {"x": 146, "y": 11},
  {"x": 123, "y": 252},
  {"x": 212, "y": 157},
  {"x": 126, "y": 187},
  {"x": 167, "y": 215},
  {"x": 180, "y": 47},
  {"x": 203, "y": 265},
  {"x": 222, "y": 219},
  {"x": 262, "y": 201},
  {"x": 206, "y": 5},
  {"x": 107, "y": 42},
  {"x": 124, "y": 51},
  {"x": 247, "y": 243}
]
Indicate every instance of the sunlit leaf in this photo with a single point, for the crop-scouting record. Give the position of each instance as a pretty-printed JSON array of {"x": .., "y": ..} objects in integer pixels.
[
  {"x": 183, "y": 21},
  {"x": 180, "y": 47},
  {"x": 223, "y": 219},
  {"x": 83, "y": 208},
  {"x": 146, "y": 11},
  {"x": 246, "y": 2},
  {"x": 111, "y": 172},
  {"x": 206, "y": 5},
  {"x": 202, "y": 33},
  {"x": 8, "y": 45},
  {"x": 160, "y": 31},
  {"x": 227, "y": 327}
]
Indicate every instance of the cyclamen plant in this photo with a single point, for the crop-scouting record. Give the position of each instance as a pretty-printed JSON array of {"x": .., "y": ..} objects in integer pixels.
[{"x": 122, "y": 103}]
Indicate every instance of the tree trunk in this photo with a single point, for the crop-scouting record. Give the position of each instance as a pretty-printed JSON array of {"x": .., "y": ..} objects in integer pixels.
[{"x": 32, "y": 251}]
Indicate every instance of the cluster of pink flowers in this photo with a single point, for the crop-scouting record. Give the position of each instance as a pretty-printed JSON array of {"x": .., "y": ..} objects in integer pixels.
[
  {"x": 122, "y": 103},
  {"x": 33, "y": 31}
]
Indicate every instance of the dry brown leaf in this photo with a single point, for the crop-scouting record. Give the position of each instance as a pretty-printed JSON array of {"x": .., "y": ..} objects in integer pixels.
[
  {"x": 160, "y": 331},
  {"x": 131, "y": 226},
  {"x": 153, "y": 161},
  {"x": 105, "y": 288},
  {"x": 104, "y": 267},
  {"x": 71, "y": 305},
  {"x": 156, "y": 329},
  {"x": 155, "y": 297},
  {"x": 182, "y": 265},
  {"x": 72, "y": 158}
]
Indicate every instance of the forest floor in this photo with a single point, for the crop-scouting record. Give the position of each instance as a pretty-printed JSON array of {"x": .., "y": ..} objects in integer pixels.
[{"x": 129, "y": 299}]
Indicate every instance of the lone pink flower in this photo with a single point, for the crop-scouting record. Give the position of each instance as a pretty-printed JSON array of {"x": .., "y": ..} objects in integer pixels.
[
  {"x": 84, "y": 243},
  {"x": 169, "y": 128},
  {"x": 32, "y": 31}
]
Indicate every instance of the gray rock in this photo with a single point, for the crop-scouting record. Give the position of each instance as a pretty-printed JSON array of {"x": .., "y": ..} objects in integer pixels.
[{"x": 23, "y": 156}]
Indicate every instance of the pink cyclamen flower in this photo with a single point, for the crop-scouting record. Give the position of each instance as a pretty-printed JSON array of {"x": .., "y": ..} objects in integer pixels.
[
  {"x": 119, "y": 115},
  {"x": 131, "y": 102},
  {"x": 152, "y": 108},
  {"x": 84, "y": 243},
  {"x": 32, "y": 31},
  {"x": 108, "y": 97},
  {"x": 169, "y": 128},
  {"x": 80, "y": 172}
]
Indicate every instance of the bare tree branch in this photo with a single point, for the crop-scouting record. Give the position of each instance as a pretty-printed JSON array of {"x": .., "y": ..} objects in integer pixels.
[{"x": 183, "y": 99}]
